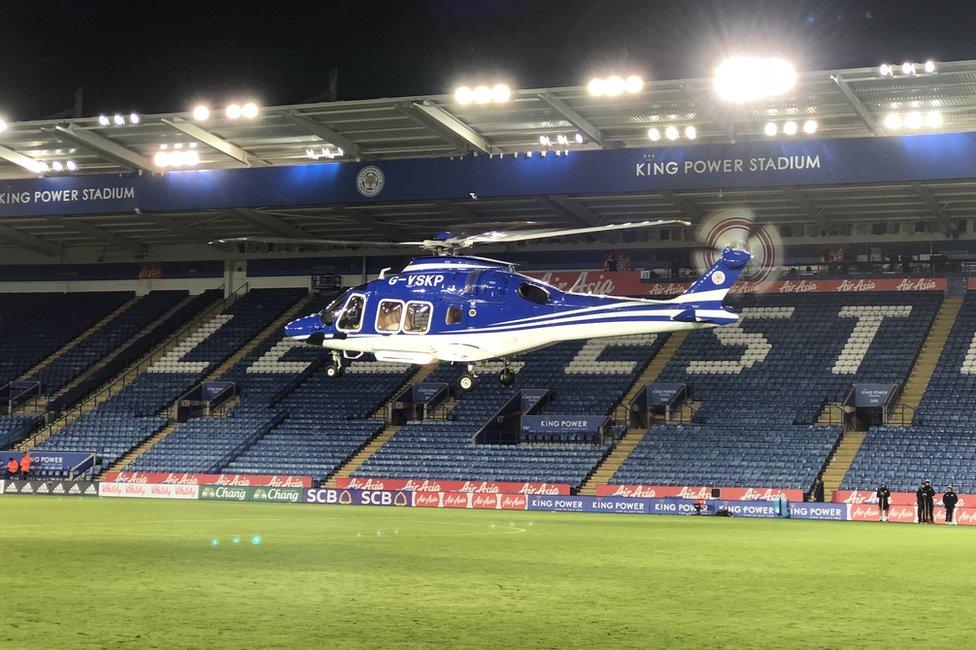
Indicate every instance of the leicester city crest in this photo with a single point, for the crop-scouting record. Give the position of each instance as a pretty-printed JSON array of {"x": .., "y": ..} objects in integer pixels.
[{"x": 370, "y": 181}]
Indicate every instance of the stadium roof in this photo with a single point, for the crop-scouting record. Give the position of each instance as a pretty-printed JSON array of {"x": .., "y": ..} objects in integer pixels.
[{"x": 845, "y": 103}]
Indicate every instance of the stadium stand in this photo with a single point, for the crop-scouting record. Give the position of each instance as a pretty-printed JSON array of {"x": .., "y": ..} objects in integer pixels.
[
  {"x": 130, "y": 416},
  {"x": 585, "y": 378},
  {"x": 54, "y": 319},
  {"x": 763, "y": 381},
  {"x": 940, "y": 446}
]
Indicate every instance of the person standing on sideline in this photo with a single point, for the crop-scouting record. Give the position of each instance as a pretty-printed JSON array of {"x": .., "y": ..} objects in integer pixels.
[
  {"x": 949, "y": 500},
  {"x": 25, "y": 465},
  {"x": 884, "y": 498},
  {"x": 12, "y": 468},
  {"x": 929, "y": 502},
  {"x": 920, "y": 502}
]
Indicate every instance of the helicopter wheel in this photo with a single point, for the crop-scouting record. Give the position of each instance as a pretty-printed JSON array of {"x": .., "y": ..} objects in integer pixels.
[
  {"x": 467, "y": 381},
  {"x": 506, "y": 377},
  {"x": 333, "y": 371}
]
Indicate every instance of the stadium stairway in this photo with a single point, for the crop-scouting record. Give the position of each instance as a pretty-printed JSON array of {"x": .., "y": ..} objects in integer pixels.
[
  {"x": 356, "y": 460},
  {"x": 227, "y": 364},
  {"x": 840, "y": 461},
  {"x": 605, "y": 470},
  {"x": 931, "y": 350},
  {"x": 78, "y": 339},
  {"x": 118, "y": 383}
]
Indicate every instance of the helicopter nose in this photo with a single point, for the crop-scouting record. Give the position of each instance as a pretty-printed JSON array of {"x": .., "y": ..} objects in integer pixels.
[{"x": 302, "y": 328}]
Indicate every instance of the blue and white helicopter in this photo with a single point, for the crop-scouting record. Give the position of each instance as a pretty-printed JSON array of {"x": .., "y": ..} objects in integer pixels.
[{"x": 450, "y": 307}]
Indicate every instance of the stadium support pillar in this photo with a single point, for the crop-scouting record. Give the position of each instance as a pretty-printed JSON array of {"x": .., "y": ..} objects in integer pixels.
[{"x": 235, "y": 275}]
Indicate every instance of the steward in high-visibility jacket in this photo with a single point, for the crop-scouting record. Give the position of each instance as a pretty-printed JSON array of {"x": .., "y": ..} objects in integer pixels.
[
  {"x": 12, "y": 468},
  {"x": 25, "y": 465}
]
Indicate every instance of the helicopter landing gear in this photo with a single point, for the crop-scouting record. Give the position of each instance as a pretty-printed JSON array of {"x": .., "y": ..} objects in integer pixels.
[
  {"x": 334, "y": 369},
  {"x": 466, "y": 382},
  {"x": 506, "y": 376}
]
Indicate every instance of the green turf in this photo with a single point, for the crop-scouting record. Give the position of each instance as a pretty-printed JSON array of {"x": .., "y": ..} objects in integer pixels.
[{"x": 102, "y": 573}]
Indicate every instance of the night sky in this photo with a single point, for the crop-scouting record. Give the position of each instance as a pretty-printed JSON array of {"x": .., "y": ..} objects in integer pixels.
[{"x": 154, "y": 55}]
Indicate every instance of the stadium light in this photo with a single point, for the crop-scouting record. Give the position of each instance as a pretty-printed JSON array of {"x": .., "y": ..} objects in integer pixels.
[
  {"x": 892, "y": 121},
  {"x": 886, "y": 70},
  {"x": 691, "y": 132},
  {"x": 71, "y": 165},
  {"x": 771, "y": 129},
  {"x": 933, "y": 119},
  {"x": 596, "y": 87},
  {"x": 463, "y": 95},
  {"x": 201, "y": 112},
  {"x": 810, "y": 127},
  {"x": 233, "y": 111},
  {"x": 929, "y": 67},
  {"x": 742, "y": 79},
  {"x": 57, "y": 166},
  {"x": 908, "y": 68},
  {"x": 134, "y": 118},
  {"x": 913, "y": 120},
  {"x": 482, "y": 95},
  {"x": 579, "y": 138},
  {"x": 654, "y": 134},
  {"x": 249, "y": 110},
  {"x": 633, "y": 84},
  {"x": 3, "y": 125},
  {"x": 500, "y": 93},
  {"x": 178, "y": 157},
  {"x": 671, "y": 133},
  {"x": 544, "y": 140},
  {"x": 103, "y": 120},
  {"x": 615, "y": 85},
  {"x": 789, "y": 128},
  {"x": 118, "y": 120}
]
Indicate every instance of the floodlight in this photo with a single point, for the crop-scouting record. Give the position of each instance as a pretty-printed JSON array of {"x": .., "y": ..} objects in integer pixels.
[
  {"x": 579, "y": 138},
  {"x": 810, "y": 127},
  {"x": 3, "y": 125},
  {"x": 892, "y": 121},
  {"x": 500, "y": 93},
  {"x": 671, "y": 133},
  {"x": 71, "y": 165},
  {"x": 544, "y": 140},
  {"x": 57, "y": 166},
  {"x": 742, "y": 79},
  {"x": 134, "y": 118},
  {"x": 201, "y": 112},
  {"x": 886, "y": 70},
  {"x": 930, "y": 67},
  {"x": 614, "y": 86},
  {"x": 118, "y": 119},
  {"x": 596, "y": 87},
  {"x": 633, "y": 84},
  {"x": 913, "y": 120},
  {"x": 463, "y": 95},
  {"x": 103, "y": 120},
  {"x": 789, "y": 128},
  {"x": 770, "y": 129},
  {"x": 233, "y": 111},
  {"x": 482, "y": 95},
  {"x": 933, "y": 119},
  {"x": 654, "y": 134},
  {"x": 691, "y": 132},
  {"x": 249, "y": 110},
  {"x": 908, "y": 68},
  {"x": 161, "y": 159}
]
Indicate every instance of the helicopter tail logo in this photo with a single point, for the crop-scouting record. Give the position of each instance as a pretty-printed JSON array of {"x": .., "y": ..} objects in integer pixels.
[{"x": 717, "y": 281}]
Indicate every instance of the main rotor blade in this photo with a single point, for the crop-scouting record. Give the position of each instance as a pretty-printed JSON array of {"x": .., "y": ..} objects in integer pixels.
[
  {"x": 505, "y": 237},
  {"x": 312, "y": 242}
]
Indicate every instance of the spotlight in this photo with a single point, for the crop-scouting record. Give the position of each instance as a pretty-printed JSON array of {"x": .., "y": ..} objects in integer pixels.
[
  {"x": 57, "y": 166},
  {"x": 71, "y": 165},
  {"x": 161, "y": 159},
  {"x": 596, "y": 87},
  {"x": 563, "y": 140},
  {"x": 770, "y": 129},
  {"x": 933, "y": 119},
  {"x": 201, "y": 112},
  {"x": 929, "y": 67},
  {"x": 500, "y": 93},
  {"x": 742, "y": 79},
  {"x": 463, "y": 95},
  {"x": 3, "y": 125},
  {"x": 691, "y": 132},
  {"x": 41, "y": 167},
  {"x": 633, "y": 84},
  {"x": 886, "y": 70},
  {"x": 482, "y": 95},
  {"x": 671, "y": 133},
  {"x": 913, "y": 120},
  {"x": 908, "y": 68},
  {"x": 134, "y": 118},
  {"x": 544, "y": 140},
  {"x": 614, "y": 86},
  {"x": 892, "y": 121},
  {"x": 578, "y": 137},
  {"x": 654, "y": 134},
  {"x": 233, "y": 111},
  {"x": 118, "y": 120},
  {"x": 249, "y": 110},
  {"x": 789, "y": 128},
  {"x": 103, "y": 120},
  {"x": 810, "y": 127}
]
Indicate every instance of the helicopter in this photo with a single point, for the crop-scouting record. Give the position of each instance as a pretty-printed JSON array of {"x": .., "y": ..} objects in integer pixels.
[{"x": 452, "y": 307}]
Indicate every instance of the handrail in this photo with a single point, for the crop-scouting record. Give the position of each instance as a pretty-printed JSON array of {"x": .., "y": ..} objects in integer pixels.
[
  {"x": 133, "y": 370},
  {"x": 901, "y": 406}
]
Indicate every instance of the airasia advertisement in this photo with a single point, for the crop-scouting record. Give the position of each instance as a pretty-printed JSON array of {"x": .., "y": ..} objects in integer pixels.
[
  {"x": 897, "y": 498},
  {"x": 698, "y": 492},
  {"x": 629, "y": 283},
  {"x": 474, "y": 500},
  {"x": 436, "y": 485},
  {"x": 236, "y": 480}
]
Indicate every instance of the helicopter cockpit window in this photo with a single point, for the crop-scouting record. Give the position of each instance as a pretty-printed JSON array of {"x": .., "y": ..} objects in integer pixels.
[
  {"x": 352, "y": 314},
  {"x": 417, "y": 320},
  {"x": 388, "y": 316},
  {"x": 533, "y": 293},
  {"x": 331, "y": 313}
]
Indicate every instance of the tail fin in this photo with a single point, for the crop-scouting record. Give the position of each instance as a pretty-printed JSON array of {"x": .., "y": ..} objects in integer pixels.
[{"x": 719, "y": 279}]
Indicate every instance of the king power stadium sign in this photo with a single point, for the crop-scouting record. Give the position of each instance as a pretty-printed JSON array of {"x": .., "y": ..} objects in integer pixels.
[{"x": 711, "y": 166}]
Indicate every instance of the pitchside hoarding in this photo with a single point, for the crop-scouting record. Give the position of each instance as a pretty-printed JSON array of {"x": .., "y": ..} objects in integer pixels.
[
  {"x": 148, "y": 490},
  {"x": 817, "y": 510},
  {"x": 260, "y": 494},
  {"x": 698, "y": 492},
  {"x": 335, "y": 496},
  {"x": 236, "y": 480},
  {"x": 855, "y": 497},
  {"x": 51, "y": 488},
  {"x": 437, "y": 485},
  {"x": 590, "y": 504}
]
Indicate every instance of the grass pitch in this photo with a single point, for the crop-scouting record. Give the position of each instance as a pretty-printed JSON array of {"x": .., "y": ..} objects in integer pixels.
[{"x": 109, "y": 573}]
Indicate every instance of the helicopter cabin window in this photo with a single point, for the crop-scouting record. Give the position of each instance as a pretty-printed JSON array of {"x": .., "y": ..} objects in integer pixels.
[
  {"x": 533, "y": 293},
  {"x": 352, "y": 314},
  {"x": 453, "y": 315},
  {"x": 417, "y": 319},
  {"x": 388, "y": 315}
]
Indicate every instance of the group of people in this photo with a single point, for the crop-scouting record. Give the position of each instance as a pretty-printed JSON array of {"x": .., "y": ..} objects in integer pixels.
[
  {"x": 924, "y": 501},
  {"x": 18, "y": 468}
]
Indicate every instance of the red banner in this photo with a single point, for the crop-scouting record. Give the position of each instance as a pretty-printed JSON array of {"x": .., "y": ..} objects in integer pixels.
[
  {"x": 698, "y": 492},
  {"x": 629, "y": 283},
  {"x": 899, "y": 514},
  {"x": 436, "y": 485},
  {"x": 971, "y": 284},
  {"x": 479, "y": 501},
  {"x": 240, "y": 480},
  {"x": 897, "y": 498}
]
